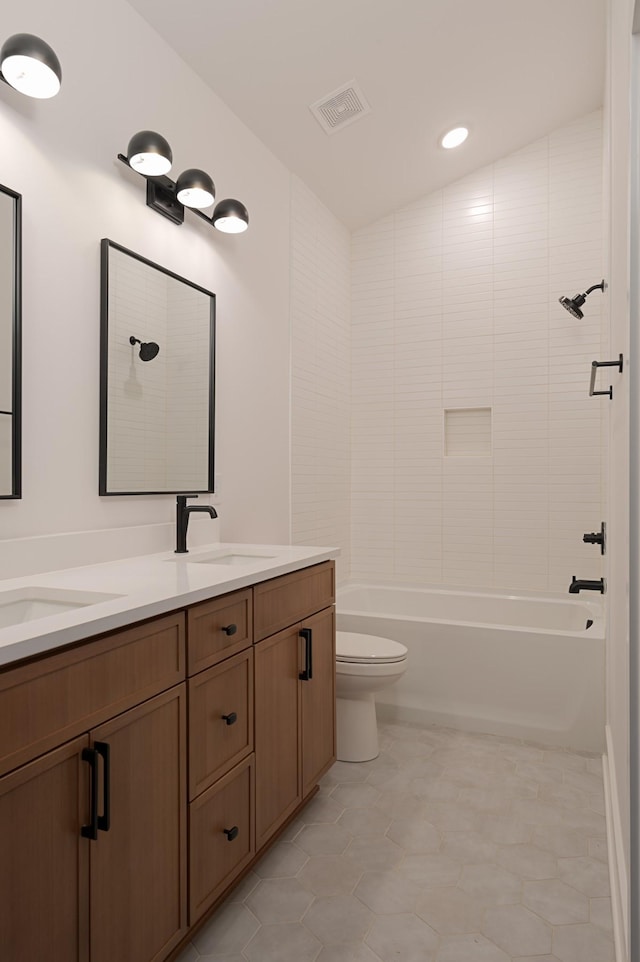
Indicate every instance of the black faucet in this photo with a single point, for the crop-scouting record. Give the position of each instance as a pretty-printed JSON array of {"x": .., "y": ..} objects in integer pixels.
[
  {"x": 577, "y": 586},
  {"x": 183, "y": 510}
]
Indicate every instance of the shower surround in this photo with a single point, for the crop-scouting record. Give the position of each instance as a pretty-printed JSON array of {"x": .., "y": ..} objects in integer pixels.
[{"x": 454, "y": 308}]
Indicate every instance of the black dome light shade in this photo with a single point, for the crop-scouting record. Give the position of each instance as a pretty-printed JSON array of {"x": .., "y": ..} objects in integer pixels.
[
  {"x": 230, "y": 216},
  {"x": 31, "y": 66},
  {"x": 149, "y": 153},
  {"x": 573, "y": 304},
  {"x": 195, "y": 188}
]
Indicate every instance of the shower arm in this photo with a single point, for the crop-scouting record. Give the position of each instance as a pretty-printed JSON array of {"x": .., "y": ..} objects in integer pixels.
[{"x": 596, "y": 287}]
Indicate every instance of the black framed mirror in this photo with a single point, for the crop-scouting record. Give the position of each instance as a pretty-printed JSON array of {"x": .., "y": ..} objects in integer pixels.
[
  {"x": 10, "y": 343},
  {"x": 157, "y": 378}
]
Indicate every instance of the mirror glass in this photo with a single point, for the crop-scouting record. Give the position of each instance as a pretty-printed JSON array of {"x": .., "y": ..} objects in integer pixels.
[
  {"x": 10, "y": 342},
  {"x": 157, "y": 343}
]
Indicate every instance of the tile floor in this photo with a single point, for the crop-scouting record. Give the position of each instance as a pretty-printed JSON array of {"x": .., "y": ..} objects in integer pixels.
[{"x": 449, "y": 847}]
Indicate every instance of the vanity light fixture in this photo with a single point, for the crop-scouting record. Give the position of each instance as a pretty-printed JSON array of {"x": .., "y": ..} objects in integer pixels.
[
  {"x": 29, "y": 65},
  {"x": 455, "y": 137},
  {"x": 149, "y": 154},
  {"x": 573, "y": 304},
  {"x": 148, "y": 350}
]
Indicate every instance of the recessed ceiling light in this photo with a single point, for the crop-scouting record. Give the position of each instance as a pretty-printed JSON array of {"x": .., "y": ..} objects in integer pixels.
[{"x": 455, "y": 137}]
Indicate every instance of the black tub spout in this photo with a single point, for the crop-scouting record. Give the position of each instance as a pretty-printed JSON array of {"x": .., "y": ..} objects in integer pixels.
[{"x": 577, "y": 586}]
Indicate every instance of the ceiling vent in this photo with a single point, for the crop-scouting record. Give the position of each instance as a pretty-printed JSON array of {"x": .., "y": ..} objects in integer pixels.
[{"x": 340, "y": 108}]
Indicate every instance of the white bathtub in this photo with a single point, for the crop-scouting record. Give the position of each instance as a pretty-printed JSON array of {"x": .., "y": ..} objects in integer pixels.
[{"x": 503, "y": 664}]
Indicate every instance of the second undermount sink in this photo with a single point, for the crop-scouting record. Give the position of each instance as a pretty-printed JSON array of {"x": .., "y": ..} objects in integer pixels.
[
  {"x": 29, "y": 604},
  {"x": 231, "y": 559}
]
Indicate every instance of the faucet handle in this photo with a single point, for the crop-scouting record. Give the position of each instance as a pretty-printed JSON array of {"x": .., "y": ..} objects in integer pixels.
[{"x": 181, "y": 499}]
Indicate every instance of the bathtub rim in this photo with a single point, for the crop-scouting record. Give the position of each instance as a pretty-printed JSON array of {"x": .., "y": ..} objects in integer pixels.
[{"x": 596, "y": 611}]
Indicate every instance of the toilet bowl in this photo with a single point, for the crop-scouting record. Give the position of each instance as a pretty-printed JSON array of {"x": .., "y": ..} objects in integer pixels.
[{"x": 364, "y": 664}]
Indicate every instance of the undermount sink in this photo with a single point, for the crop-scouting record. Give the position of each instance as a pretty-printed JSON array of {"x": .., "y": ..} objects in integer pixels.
[
  {"x": 228, "y": 559},
  {"x": 29, "y": 604}
]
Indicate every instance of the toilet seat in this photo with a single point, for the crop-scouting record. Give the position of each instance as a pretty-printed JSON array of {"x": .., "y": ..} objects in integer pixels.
[{"x": 355, "y": 648}]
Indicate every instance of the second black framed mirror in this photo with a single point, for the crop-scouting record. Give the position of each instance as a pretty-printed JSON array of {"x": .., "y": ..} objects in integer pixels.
[{"x": 157, "y": 378}]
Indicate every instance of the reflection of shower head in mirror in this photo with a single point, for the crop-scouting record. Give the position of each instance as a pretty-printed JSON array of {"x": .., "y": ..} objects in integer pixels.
[{"x": 147, "y": 351}]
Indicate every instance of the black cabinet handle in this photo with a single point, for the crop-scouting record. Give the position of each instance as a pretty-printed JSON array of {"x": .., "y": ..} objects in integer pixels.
[
  {"x": 307, "y": 674},
  {"x": 230, "y": 629},
  {"x": 104, "y": 750},
  {"x": 91, "y": 830},
  {"x": 231, "y": 718},
  {"x": 231, "y": 833}
]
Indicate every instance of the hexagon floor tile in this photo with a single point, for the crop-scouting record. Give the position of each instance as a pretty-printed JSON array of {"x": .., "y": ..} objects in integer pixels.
[{"x": 449, "y": 847}]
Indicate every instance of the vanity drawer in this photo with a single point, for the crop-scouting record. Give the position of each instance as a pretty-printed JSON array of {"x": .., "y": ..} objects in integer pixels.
[
  {"x": 217, "y": 743},
  {"x": 283, "y": 601},
  {"x": 218, "y": 629},
  {"x": 217, "y": 858},
  {"x": 48, "y": 701}
]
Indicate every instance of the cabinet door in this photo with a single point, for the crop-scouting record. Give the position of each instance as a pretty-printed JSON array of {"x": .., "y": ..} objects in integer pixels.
[
  {"x": 44, "y": 861},
  {"x": 277, "y": 720},
  {"x": 138, "y": 866},
  {"x": 318, "y": 700}
]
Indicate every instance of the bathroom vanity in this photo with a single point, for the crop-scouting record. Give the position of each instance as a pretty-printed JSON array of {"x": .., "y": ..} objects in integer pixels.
[{"x": 143, "y": 769}]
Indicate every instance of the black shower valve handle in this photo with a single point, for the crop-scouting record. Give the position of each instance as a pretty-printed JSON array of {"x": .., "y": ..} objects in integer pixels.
[{"x": 597, "y": 537}]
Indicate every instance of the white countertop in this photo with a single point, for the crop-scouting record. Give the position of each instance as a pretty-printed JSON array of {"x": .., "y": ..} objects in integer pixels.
[{"x": 145, "y": 586}]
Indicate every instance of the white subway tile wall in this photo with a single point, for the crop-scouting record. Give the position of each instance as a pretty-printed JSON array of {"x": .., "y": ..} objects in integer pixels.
[
  {"x": 320, "y": 381},
  {"x": 455, "y": 305}
]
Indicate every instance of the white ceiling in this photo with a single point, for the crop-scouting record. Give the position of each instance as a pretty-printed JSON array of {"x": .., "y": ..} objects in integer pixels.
[{"x": 510, "y": 70}]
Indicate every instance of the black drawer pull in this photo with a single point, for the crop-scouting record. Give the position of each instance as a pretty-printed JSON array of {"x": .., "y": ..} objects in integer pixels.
[
  {"x": 231, "y": 718},
  {"x": 230, "y": 629},
  {"x": 91, "y": 831},
  {"x": 307, "y": 635},
  {"x": 231, "y": 833},
  {"x": 104, "y": 820}
]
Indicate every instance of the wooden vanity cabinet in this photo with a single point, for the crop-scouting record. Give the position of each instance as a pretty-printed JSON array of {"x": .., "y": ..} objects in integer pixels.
[
  {"x": 142, "y": 771},
  {"x": 64, "y": 895},
  {"x": 294, "y": 691}
]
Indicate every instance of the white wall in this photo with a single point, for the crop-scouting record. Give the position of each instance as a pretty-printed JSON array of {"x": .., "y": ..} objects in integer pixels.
[
  {"x": 320, "y": 382},
  {"x": 120, "y": 77},
  {"x": 455, "y": 306},
  {"x": 617, "y": 152}
]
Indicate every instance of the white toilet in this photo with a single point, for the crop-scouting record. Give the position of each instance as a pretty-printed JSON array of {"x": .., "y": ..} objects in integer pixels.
[{"x": 364, "y": 664}]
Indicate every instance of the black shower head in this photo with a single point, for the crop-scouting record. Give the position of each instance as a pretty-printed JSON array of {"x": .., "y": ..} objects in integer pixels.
[
  {"x": 573, "y": 304},
  {"x": 148, "y": 350}
]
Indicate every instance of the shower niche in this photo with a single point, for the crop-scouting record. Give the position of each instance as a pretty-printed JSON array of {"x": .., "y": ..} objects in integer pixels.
[
  {"x": 467, "y": 433},
  {"x": 157, "y": 378}
]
